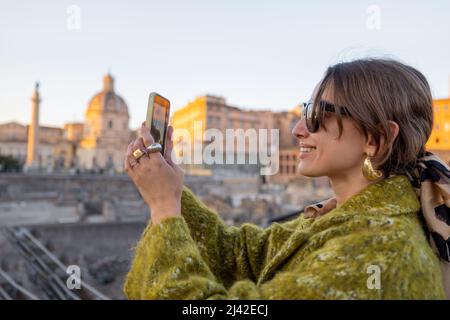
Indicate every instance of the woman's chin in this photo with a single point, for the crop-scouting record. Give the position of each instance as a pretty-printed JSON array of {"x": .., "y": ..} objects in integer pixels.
[
  {"x": 308, "y": 172},
  {"x": 304, "y": 173}
]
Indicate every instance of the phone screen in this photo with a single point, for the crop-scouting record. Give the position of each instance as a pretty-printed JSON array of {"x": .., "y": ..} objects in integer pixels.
[{"x": 160, "y": 118}]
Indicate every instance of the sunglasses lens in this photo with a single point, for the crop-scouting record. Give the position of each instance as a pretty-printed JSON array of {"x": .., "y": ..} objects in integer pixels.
[
  {"x": 312, "y": 113},
  {"x": 311, "y": 118}
]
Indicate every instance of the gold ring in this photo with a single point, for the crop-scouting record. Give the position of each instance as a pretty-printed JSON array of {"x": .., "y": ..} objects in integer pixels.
[{"x": 138, "y": 153}]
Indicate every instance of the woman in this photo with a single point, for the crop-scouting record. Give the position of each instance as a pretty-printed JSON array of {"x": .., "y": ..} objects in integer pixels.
[{"x": 365, "y": 129}]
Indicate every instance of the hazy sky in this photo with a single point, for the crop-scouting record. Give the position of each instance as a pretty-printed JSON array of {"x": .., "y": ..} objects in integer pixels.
[{"x": 257, "y": 54}]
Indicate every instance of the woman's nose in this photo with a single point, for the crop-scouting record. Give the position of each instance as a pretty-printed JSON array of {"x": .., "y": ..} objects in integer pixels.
[{"x": 300, "y": 130}]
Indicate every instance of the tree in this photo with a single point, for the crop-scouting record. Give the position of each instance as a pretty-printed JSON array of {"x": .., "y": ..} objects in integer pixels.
[{"x": 10, "y": 164}]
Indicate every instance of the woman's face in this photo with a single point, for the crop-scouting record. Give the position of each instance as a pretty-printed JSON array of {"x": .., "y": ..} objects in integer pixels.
[{"x": 330, "y": 156}]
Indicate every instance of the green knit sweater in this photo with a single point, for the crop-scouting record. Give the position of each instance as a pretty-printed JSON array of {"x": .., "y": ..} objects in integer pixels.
[{"x": 370, "y": 247}]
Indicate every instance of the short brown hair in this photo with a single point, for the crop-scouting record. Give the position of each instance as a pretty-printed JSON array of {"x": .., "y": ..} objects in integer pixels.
[{"x": 375, "y": 91}]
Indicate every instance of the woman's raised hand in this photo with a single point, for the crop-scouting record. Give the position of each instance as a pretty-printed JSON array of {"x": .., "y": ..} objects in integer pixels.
[{"x": 158, "y": 179}]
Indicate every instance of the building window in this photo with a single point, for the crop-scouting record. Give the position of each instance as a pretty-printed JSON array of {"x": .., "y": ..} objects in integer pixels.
[{"x": 110, "y": 124}]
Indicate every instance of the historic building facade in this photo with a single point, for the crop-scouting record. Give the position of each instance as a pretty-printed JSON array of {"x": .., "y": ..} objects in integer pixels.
[
  {"x": 106, "y": 130},
  {"x": 211, "y": 112},
  {"x": 98, "y": 144},
  {"x": 439, "y": 141}
]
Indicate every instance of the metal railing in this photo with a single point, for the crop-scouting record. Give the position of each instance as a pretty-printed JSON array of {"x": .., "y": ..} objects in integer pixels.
[
  {"x": 19, "y": 291},
  {"x": 47, "y": 270}
]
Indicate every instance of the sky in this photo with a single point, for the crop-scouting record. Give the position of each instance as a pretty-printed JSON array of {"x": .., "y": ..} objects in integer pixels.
[{"x": 257, "y": 54}]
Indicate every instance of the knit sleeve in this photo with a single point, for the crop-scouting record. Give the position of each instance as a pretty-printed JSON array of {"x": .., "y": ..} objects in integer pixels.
[
  {"x": 230, "y": 253},
  {"x": 169, "y": 265}
]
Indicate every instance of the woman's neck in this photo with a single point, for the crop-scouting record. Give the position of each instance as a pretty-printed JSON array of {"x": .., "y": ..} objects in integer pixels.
[{"x": 346, "y": 186}]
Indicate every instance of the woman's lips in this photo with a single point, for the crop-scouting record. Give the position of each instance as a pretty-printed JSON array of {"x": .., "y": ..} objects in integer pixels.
[{"x": 304, "y": 154}]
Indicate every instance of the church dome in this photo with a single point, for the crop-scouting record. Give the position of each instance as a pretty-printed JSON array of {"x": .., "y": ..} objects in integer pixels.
[{"x": 107, "y": 100}]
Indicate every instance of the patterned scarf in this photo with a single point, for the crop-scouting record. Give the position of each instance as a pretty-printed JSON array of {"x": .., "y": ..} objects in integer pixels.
[{"x": 430, "y": 178}]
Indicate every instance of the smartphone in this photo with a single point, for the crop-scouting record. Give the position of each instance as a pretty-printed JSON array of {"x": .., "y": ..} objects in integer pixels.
[{"x": 158, "y": 118}]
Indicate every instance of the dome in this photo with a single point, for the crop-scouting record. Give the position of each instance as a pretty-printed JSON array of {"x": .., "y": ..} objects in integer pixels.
[{"x": 107, "y": 100}]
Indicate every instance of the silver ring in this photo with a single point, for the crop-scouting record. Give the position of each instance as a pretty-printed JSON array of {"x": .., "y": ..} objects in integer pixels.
[{"x": 154, "y": 147}]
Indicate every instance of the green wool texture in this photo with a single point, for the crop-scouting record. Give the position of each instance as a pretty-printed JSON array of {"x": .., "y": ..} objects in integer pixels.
[{"x": 370, "y": 247}]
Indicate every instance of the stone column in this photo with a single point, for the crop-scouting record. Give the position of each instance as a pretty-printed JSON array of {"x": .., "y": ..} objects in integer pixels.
[{"x": 33, "y": 132}]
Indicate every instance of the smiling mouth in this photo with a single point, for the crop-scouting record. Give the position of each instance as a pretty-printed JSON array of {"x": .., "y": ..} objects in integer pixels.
[{"x": 307, "y": 149}]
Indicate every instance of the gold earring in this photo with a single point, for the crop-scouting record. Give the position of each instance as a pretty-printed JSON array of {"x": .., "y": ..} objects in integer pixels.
[{"x": 369, "y": 172}]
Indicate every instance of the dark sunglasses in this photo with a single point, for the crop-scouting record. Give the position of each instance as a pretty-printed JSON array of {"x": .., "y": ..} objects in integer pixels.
[{"x": 311, "y": 113}]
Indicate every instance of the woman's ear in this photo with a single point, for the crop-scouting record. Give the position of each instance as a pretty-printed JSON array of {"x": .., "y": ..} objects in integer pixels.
[
  {"x": 395, "y": 129},
  {"x": 371, "y": 145}
]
